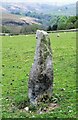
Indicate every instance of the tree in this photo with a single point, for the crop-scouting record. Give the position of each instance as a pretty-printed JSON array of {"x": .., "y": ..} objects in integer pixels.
[
  {"x": 49, "y": 28},
  {"x": 70, "y": 25},
  {"x": 76, "y": 24},
  {"x": 5, "y": 30},
  {"x": 54, "y": 27},
  {"x": 30, "y": 28},
  {"x": 62, "y": 22}
]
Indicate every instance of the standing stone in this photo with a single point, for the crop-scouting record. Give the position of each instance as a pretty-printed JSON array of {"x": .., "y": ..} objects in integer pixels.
[{"x": 41, "y": 74}]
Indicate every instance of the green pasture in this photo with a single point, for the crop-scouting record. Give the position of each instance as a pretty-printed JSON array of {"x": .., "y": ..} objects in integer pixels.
[{"x": 17, "y": 58}]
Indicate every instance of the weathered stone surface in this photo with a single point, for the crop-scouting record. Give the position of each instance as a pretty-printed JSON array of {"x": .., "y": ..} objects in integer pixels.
[{"x": 41, "y": 74}]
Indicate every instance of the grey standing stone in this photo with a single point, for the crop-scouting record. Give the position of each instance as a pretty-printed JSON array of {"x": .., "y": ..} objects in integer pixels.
[{"x": 41, "y": 75}]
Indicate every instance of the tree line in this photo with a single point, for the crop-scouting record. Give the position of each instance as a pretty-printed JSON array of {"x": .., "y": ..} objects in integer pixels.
[
  {"x": 52, "y": 23},
  {"x": 63, "y": 23}
]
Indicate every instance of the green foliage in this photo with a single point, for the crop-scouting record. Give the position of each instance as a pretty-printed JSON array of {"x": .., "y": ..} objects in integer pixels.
[
  {"x": 72, "y": 19},
  {"x": 76, "y": 24},
  {"x": 64, "y": 22},
  {"x": 70, "y": 25},
  {"x": 17, "y": 58},
  {"x": 54, "y": 27},
  {"x": 30, "y": 28},
  {"x": 5, "y": 30},
  {"x": 49, "y": 28}
]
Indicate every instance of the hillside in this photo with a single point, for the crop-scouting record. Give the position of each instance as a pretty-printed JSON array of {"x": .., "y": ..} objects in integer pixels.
[
  {"x": 23, "y": 8},
  {"x": 18, "y": 16},
  {"x": 14, "y": 23},
  {"x": 12, "y": 19}
]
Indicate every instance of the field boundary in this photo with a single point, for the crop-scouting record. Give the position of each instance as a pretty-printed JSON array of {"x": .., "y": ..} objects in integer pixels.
[{"x": 70, "y": 30}]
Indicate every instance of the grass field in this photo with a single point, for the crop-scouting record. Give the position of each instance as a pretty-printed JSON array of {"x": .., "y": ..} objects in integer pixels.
[{"x": 17, "y": 59}]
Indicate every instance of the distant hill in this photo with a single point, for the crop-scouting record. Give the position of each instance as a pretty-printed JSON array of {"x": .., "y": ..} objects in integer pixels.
[
  {"x": 11, "y": 19},
  {"x": 23, "y": 8},
  {"x": 14, "y": 23},
  {"x": 16, "y": 16}
]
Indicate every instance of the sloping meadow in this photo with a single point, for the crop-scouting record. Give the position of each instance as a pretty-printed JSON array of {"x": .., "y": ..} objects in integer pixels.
[{"x": 17, "y": 58}]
